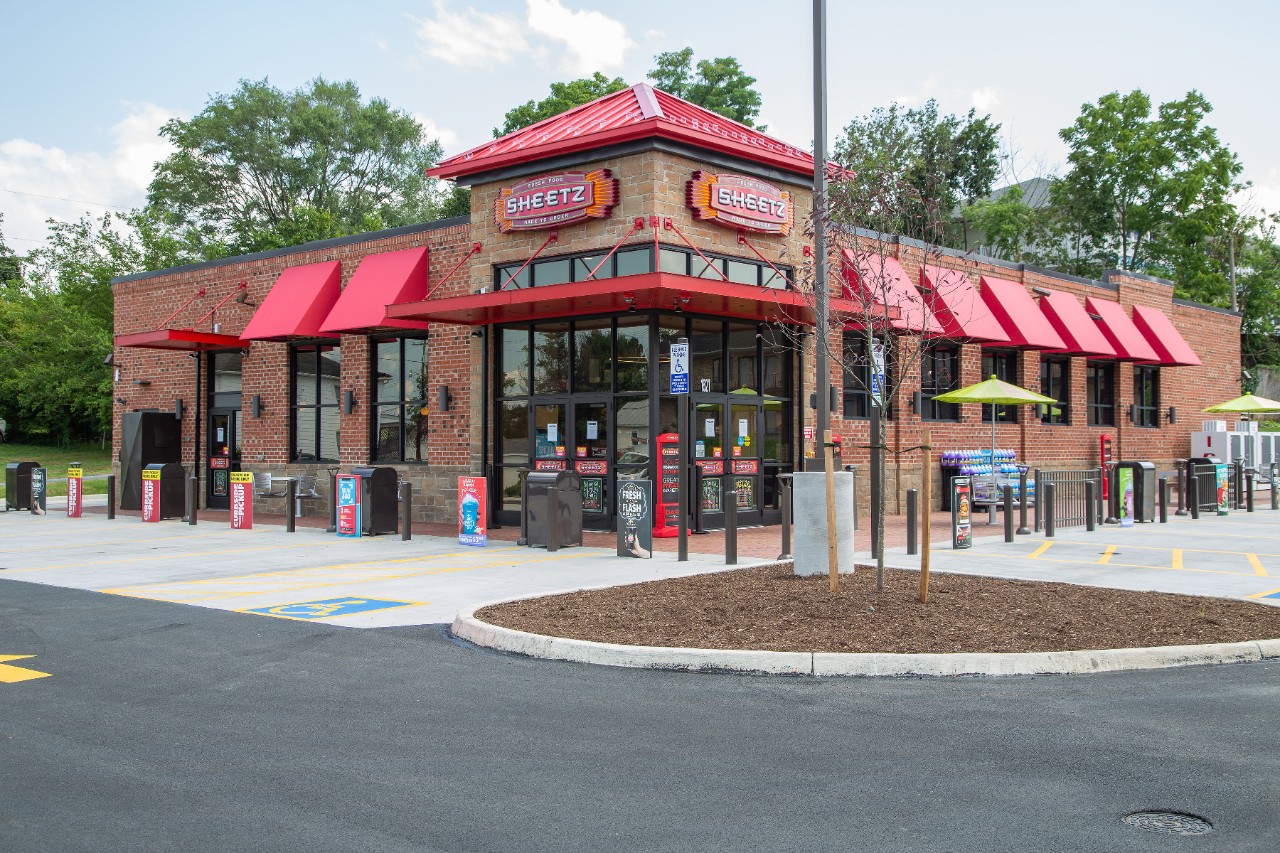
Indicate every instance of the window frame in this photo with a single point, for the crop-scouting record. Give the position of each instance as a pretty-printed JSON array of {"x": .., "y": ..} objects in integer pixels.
[
  {"x": 1062, "y": 395},
  {"x": 528, "y": 277},
  {"x": 1094, "y": 370},
  {"x": 856, "y": 378},
  {"x": 1004, "y": 366},
  {"x": 1146, "y": 417},
  {"x": 376, "y": 403},
  {"x": 930, "y": 409},
  {"x": 295, "y": 406}
]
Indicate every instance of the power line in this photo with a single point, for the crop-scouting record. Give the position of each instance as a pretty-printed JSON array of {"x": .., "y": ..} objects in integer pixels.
[{"x": 62, "y": 198}]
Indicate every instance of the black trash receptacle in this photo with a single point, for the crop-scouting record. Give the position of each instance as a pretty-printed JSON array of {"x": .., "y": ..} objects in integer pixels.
[
  {"x": 567, "y": 517},
  {"x": 17, "y": 485},
  {"x": 379, "y": 512},
  {"x": 1144, "y": 490},
  {"x": 173, "y": 482}
]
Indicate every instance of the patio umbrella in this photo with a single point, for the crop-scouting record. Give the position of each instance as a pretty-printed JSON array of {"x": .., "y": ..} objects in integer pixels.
[
  {"x": 996, "y": 392},
  {"x": 1246, "y": 405}
]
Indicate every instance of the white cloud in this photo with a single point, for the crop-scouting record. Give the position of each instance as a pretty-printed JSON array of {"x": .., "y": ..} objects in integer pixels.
[
  {"x": 471, "y": 38},
  {"x": 985, "y": 99},
  {"x": 592, "y": 40},
  {"x": 448, "y": 137},
  {"x": 41, "y": 183}
]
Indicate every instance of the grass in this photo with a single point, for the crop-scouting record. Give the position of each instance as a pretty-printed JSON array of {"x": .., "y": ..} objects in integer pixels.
[{"x": 95, "y": 459}]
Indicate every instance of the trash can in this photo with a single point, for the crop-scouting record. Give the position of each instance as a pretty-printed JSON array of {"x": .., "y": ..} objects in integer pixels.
[
  {"x": 553, "y": 509},
  {"x": 1203, "y": 472},
  {"x": 379, "y": 512},
  {"x": 17, "y": 485},
  {"x": 1144, "y": 490},
  {"x": 173, "y": 495}
]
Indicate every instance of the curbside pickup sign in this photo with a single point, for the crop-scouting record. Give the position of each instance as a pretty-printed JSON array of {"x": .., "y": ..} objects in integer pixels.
[
  {"x": 75, "y": 492},
  {"x": 151, "y": 495},
  {"x": 241, "y": 500}
]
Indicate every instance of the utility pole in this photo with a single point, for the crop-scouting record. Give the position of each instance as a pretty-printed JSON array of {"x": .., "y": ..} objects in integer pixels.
[{"x": 821, "y": 333}]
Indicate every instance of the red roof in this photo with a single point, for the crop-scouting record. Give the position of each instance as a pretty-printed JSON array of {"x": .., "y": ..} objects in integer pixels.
[
  {"x": 958, "y": 307},
  {"x": 297, "y": 304},
  {"x": 1018, "y": 315},
  {"x": 1119, "y": 330},
  {"x": 883, "y": 281},
  {"x": 379, "y": 281},
  {"x": 1068, "y": 317},
  {"x": 1163, "y": 336},
  {"x": 640, "y": 112}
]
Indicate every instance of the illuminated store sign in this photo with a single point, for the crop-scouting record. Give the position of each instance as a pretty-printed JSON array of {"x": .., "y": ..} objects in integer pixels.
[
  {"x": 555, "y": 200},
  {"x": 737, "y": 202}
]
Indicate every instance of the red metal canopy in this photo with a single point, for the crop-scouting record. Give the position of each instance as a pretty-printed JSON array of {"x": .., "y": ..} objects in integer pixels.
[
  {"x": 180, "y": 339},
  {"x": 640, "y": 112},
  {"x": 1120, "y": 331},
  {"x": 1069, "y": 319},
  {"x": 1163, "y": 336},
  {"x": 380, "y": 281},
  {"x": 650, "y": 290},
  {"x": 1018, "y": 315},
  {"x": 297, "y": 304},
  {"x": 883, "y": 281},
  {"x": 958, "y": 307}
]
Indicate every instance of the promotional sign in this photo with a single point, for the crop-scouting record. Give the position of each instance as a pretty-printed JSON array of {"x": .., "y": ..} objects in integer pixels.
[
  {"x": 1224, "y": 486},
  {"x": 471, "y": 511},
  {"x": 680, "y": 368},
  {"x": 737, "y": 202},
  {"x": 348, "y": 505},
  {"x": 554, "y": 200},
  {"x": 667, "y": 512},
  {"x": 635, "y": 519},
  {"x": 877, "y": 372},
  {"x": 150, "y": 495},
  {"x": 39, "y": 486},
  {"x": 241, "y": 500},
  {"x": 961, "y": 519},
  {"x": 75, "y": 492},
  {"x": 1124, "y": 486}
]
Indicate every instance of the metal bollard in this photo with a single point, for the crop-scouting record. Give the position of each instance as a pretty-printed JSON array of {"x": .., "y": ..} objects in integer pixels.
[
  {"x": 553, "y": 516},
  {"x": 1239, "y": 490},
  {"x": 1039, "y": 498},
  {"x": 731, "y": 527},
  {"x": 784, "y": 486},
  {"x": 1275, "y": 495},
  {"x": 1022, "y": 530},
  {"x": 1048, "y": 510},
  {"x": 524, "y": 504},
  {"x": 1182, "y": 487},
  {"x": 1194, "y": 493},
  {"x": 290, "y": 497},
  {"x": 1008, "y": 513},
  {"x": 111, "y": 496},
  {"x": 1248, "y": 492},
  {"x": 193, "y": 500},
  {"x": 913, "y": 497},
  {"x": 333, "y": 502},
  {"x": 406, "y": 512},
  {"x": 1102, "y": 502},
  {"x": 1163, "y": 485},
  {"x": 1090, "y": 518}
]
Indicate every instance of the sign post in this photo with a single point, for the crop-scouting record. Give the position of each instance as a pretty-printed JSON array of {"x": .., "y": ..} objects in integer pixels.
[
  {"x": 961, "y": 513},
  {"x": 680, "y": 388},
  {"x": 348, "y": 506},
  {"x": 471, "y": 511},
  {"x": 635, "y": 512},
  {"x": 242, "y": 500},
  {"x": 151, "y": 494},
  {"x": 75, "y": 492}
]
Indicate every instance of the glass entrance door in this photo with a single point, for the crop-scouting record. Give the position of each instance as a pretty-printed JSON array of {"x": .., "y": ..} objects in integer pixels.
[
  {"x": 592, "y": 454},
  {"x": 744, "y": 461},
  {"x": 224, "y": 456}
]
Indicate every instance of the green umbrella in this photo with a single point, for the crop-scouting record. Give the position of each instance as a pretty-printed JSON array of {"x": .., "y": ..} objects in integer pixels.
[
  {"x": 997, "y": 393},
  {"x": 1248, "y": 404}
]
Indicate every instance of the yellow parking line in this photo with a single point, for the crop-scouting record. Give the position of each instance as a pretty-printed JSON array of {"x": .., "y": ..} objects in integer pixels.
[
  {"x": 1177, "y": 559},
  {"x": 1257, "y": 565},
  {"x": 1037, "y": 552},
  {"x": 1265, "y": 594},
  {"x": 256, "y": 549},
  {"x": 987, "y": 555},
  {"x": 1106, "y": 555}
]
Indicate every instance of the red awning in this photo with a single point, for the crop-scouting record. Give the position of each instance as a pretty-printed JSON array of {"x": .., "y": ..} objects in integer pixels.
[
  {"x": 958, "y": 307},
  {"x": 642, "y": 292},
  {"x": 180, "y": 339},
  {"x": 1120, "y": 332},
  {"x": 380, "y": 281},
  {"x": 1069, "y": 319},
  {"x": 297, "y": 304},
  {"x": 883, "y": 281},
  {"x": 1019, "y": 315},
  {"x": 1164, "y": 337}
]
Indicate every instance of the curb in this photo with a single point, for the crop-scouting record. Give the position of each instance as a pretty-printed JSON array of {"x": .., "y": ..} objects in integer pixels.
[{"x": 833, "y": 664}]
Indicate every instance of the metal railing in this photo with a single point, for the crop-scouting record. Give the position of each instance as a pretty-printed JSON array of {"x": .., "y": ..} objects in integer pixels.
[{"x": 1072, "y": 507}]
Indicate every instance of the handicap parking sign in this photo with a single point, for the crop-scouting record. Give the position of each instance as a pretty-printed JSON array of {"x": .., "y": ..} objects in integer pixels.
[{"x": 327, "y": 608}]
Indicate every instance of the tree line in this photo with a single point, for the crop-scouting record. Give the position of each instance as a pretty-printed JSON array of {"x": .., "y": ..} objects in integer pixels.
[{"x": 1144, "y": 190}]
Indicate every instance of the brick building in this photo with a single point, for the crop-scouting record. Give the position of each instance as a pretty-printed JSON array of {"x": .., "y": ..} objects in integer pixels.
[{"x": 535, "y": 332}]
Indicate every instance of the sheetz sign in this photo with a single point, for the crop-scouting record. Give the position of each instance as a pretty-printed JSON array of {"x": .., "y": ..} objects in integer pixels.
[
  {"x": 554, "y": 200},
  {"x": 735, "y": 201}
]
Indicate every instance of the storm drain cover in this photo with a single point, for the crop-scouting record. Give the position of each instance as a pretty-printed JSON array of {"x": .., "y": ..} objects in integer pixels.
[{"x": 1169, "y": 823}]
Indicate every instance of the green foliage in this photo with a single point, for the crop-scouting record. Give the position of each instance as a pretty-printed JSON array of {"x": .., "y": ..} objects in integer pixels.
[
  {"x": 457, "y": 203},
  {"x": 10, "y": 264},
  {"x": 720, "y": 84},
  {"x": 1258, "y": 287},
  {"x": 1010, "y": 225},
  {"x": 911, "y": 169},
  {"x": 563, "y": 97},
  {"x": 261, "y": 168}
]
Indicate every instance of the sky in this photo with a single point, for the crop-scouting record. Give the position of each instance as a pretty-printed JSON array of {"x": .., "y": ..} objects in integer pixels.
[{"x": 79, "y": 120}]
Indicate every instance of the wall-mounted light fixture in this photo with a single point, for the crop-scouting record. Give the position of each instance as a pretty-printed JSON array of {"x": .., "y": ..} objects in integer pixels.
[
  {"x": 177, "y": 409},
  {"x": 348, "y": 402},
  {"x": 444, "y": 398},
  {"x": 1133, "y": 412},
  {"x": 121, "y": 400},
  {"x": 477, "y": 333},
  {"x": 143, "y": 382},
  {"x": 629, "y": 297},
  {"x": 1093, "y": 316},
  {"x": 1173, "y": 414},
  {"x": 110, "y": 359},
  {"x": 917, "y": 402},
  {"x": 1040, "y": 291},
  {"x": 834, "y": 401},
  {"x": 255, "y": 405},
  {"x": 243, "y": 298}
]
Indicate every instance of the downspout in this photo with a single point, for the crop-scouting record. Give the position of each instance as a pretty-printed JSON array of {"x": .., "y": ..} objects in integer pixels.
[
  {"x": 195, "y": 458},
  {"x": 495, "y": 488}
]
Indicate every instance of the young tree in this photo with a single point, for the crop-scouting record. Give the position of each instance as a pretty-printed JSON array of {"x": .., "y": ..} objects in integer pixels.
[
  {"x": 719, "y": 85},
  {"x": 563, "y": 97},
  {"x": 261, "y": 168},
  {"x": 10, "y": 264}
]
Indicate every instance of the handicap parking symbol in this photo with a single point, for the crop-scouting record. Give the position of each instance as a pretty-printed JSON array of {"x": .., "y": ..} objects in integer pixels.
[{"x": 327, "y": 608}]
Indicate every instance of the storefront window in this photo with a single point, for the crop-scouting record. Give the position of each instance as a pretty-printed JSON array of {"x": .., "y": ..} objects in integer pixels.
[
  {"x": 551, "y": 359},
  {"x": 776, "y": 365},
  {"x": 706, "y": 356},
  {"x": 633, "y": 355},
  {"x": 939, "y": 373},
  {"x": 1102, "y": 396},
  {"x": 1146, "y": 396},
  {"x": 1054, "y": 375},
  {"x": 514, "y": 366},
  {"x": 1003, "y": 365},
  {"x": 315, "y": 382},
  {"x": 592, "y": 355},
  {"x": 401, "y": 396},
  {"x": 742, "y": 358},
  {"x": 543, "y": 272}
]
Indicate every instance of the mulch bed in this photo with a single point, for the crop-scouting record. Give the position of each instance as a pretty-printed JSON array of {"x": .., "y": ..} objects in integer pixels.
[{"x": 769, "y": 608}]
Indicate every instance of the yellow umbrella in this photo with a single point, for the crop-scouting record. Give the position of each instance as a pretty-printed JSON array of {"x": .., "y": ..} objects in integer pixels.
[
  {"x": 1246, "y": 405},
  {"x": 997, "y": 393}
]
